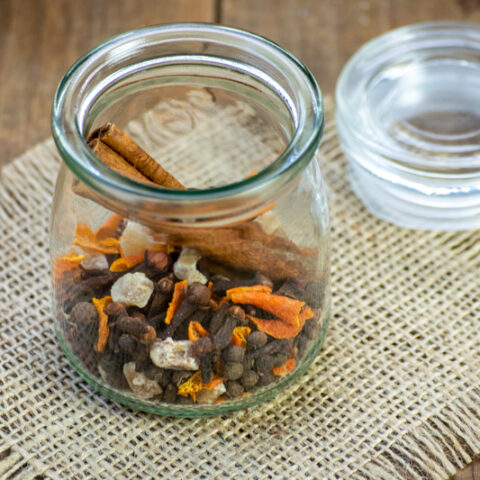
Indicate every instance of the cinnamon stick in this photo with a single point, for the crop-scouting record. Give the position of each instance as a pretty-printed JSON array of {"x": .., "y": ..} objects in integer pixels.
[
  {"x": 248, "y": 247},
  {"x": 116, "y": 162},
  {"x": 111, "y": 135},
  {"x": 244, "y": 247}
]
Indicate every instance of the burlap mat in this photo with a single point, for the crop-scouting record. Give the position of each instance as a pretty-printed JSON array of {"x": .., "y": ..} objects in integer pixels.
[{"x": 393, "y": 395}]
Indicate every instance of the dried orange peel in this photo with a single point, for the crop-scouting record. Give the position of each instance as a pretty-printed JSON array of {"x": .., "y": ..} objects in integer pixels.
[
  {"x": 253, "y": 288},
  {"x": 85, "y": 238},
  {"x": 196, "y": 331},
  {"x": 125, "y": 262},
  {"x": 66, "y": 263},
  {"x": 109, "y": 228},
  {"x": 195, "y": 384},
  {"x": 291, "y": 314},
  {"x": 103, "y": 328},
  {"x": 239, "y": 336},
  {"x": 179, "y": 293},
  {"x": 287, "y": 367}
]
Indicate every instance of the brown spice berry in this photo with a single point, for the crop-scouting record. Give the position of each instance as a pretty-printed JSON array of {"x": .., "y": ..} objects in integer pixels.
[
  {"x": 234, "y": 389},
  {"x": 233, "y": 353},
  {"x": 84, "y": 314},
  {"x": 158, "y": 260},
  {"x": 249, "y": 379},
  {"x": 256, "y": 340},
  {"x": 232, "y": 370}
]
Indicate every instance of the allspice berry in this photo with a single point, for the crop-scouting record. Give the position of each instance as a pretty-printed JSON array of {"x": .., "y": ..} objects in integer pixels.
[
  {"x": 256, "y": 340},
  {"x": 232, "y": 370},
  {"x": 233, "y": 353},
  {"x": 234, "y": 389},
  {"x": 158, "y": 260},
  {"x": 84, "y": 313},
  {"x": 249, "y": 379}
]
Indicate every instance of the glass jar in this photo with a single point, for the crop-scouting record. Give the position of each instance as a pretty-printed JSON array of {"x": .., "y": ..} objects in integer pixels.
[{"x": 211, "y": 298}]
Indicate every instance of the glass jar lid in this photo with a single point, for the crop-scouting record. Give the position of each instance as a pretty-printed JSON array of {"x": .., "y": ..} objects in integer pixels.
[{"x": 408, "y": 116}]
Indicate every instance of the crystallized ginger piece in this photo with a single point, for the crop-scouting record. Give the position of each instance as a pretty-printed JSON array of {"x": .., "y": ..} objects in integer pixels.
[
  {"x": 176, "y": 355},
  {"x": 132, "y": 289}
]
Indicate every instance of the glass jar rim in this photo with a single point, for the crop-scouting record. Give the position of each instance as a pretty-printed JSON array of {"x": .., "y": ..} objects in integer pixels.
[{"x": 308, "y": 126}]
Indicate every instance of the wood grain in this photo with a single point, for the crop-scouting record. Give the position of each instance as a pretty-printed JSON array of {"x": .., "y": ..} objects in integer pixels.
[
  {"x": 324, "y": 34},
  {"x": 40, "y": 39}
]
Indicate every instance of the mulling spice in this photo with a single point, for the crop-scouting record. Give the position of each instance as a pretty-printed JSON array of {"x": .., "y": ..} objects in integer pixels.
[{"x": 167, "y": 330}]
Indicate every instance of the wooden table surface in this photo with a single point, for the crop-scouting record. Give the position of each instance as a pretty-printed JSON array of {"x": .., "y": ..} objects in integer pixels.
[{"x": 40, "y": 39}]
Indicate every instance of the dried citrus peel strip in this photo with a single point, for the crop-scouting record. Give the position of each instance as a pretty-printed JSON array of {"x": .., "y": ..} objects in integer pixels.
[
  {"x": 68, "y": 262},
  {"x": 85, "y": 238},
  {"x": 253, "y": 288},
  {"x": 275, "y": 328},
  {"x": 179, "y": 292},
  {"x": 287, "y": 367},
  {"x": 195, "y": 384},
  {"x": 103, "y": 329},
  {"x": 291, "y": 313},
  {"x": 109, "y": 228},
  {"x": 239, "y": 336},
  {"x": 124, "y": 262},
  {"x": 196, "y": 331}
]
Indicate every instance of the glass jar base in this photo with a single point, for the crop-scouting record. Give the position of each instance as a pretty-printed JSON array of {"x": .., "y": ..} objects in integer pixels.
[
  {"x": 196, "y": 410},
  {"x": 410, "y": 209}
]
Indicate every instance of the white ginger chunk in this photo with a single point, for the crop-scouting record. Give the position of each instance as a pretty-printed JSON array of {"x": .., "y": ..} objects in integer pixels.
[
  {"x": 176, "y": 355},
  {"x": 95, "y": 262},
  {"x": 209, "y": 396},
  {"x": 132, "y": 289},
  {"x": 185, "y": 268},
  {"x": 136, "y": 238},
  {"x": 141, "y": 386}
]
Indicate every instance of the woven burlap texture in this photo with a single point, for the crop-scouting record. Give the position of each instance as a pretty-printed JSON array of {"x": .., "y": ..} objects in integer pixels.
[{"x": 393, "y": 395}]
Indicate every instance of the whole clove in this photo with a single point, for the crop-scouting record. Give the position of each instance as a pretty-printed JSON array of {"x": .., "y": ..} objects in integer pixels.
[
  {"x": 162, "y": 295},
  {"x": 218, "y": 318},
  {"x": 137, "y": 328},
  {"x": 224, "y": 335},
  {"x": 197, "y": 296},
  {"x": 206, "y": 367},
  {"x": 271, "y": 347},
  {"x": 127, "y": 344}
]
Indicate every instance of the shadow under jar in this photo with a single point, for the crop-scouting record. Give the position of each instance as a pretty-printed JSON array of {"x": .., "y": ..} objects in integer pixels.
[{"x": 209, "y": 299}]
